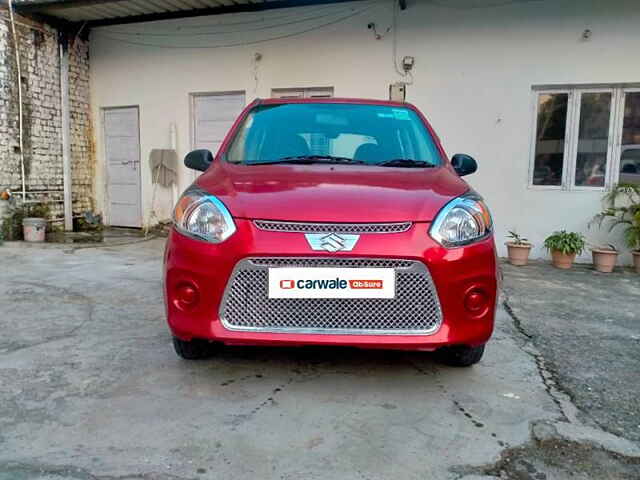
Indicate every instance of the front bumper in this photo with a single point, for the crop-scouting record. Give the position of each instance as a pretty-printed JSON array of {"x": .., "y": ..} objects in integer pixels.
[{"x": 455, "y": 272}]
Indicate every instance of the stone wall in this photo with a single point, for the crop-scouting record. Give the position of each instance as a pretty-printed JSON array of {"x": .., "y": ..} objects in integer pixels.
[{"x": 42, "y": 126}]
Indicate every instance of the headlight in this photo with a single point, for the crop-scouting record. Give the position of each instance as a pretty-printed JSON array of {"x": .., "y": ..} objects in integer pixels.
[
  {"x": 202, "y": 216},
  {"x": 462, "y": 221}
]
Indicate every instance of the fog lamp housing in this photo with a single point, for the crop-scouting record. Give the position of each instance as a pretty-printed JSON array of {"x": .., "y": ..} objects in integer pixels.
[
  {"x": 476, "y": 301},
  {"x": 186, "y": 296}
]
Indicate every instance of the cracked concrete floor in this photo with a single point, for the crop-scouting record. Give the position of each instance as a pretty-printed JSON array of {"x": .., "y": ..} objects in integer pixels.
[
  {"x": 598, "y": 363},
  {"x": 90, "y": 389}
]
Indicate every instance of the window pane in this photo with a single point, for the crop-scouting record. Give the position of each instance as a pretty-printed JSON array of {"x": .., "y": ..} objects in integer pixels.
[
  {"x": 550, "y": 133},
  {"x": 368, "y": 133},
  {"x": 593, "y": 139},
  {"x": 347, "y": 144},
  {"x": 630, "y": 151}
]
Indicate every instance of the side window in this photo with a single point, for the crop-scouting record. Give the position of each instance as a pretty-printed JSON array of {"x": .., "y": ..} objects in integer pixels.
[
  {"x": 592, "y": 148},
  {"x": 549, "y": 147},
  {"x": 577, "y": 138},
  {"x": 629, "y": 171},
  {"x": 237, "y": 150},
  {"x": 586, "y": 138}
]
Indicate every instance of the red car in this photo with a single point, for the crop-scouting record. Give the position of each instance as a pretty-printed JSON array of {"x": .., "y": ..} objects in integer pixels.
[{"x": 331, "y": 222}]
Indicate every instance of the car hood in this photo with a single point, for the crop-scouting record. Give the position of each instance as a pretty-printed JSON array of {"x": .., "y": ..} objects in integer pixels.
[{"x": 332, "y": 193}]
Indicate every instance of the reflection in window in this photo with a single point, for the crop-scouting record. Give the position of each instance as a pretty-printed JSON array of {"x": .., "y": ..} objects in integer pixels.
[
  {"x": 630, "y": 149},
  {"x": 593, "y": 139},
  {"x": 551, "y": 130}
]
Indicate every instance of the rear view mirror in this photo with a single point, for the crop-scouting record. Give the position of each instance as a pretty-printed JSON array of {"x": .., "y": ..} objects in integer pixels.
[
  {"x": 464, "y": 164},
  {"x": 198, "y": 159}
]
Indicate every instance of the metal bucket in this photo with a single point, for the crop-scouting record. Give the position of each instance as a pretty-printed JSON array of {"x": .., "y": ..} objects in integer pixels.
[{"x": 34, "y": 229}]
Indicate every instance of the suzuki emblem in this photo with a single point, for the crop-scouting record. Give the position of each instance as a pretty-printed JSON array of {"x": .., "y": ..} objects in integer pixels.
[{"x": 332, "y": 242}]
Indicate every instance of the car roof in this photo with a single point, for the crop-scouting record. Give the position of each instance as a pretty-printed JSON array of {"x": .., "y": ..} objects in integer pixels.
[{"x": 337, "y": 100}]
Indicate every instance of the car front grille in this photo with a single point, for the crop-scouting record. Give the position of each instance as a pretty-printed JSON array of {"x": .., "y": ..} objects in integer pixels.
[
  {"x": 303, "y": 227},
  {"x": 415, "y": 310}
]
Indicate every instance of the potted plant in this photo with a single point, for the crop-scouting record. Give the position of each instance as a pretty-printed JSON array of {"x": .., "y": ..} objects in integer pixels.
[
  {"x": 564, "y": 246},
  {"x": 628, "y": 215},
  {"x": 605, "y": 258},
  {"x": 518, "y": 249}
]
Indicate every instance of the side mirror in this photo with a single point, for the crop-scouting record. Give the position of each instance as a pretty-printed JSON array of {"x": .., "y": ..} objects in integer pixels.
[
  {"x": 198, "y": 159},
  {"x": 464, "y": 164}
]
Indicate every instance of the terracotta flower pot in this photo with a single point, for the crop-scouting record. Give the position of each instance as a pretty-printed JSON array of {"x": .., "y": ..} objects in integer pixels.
[
  {"x": 636, "y": 260},
  {"x": 518, "y": 253},
  {"x": 604, "y": 260},
  {"x": 562, "y": 260}
]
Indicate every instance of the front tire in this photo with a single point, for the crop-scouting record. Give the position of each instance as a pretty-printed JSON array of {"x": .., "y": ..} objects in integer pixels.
[
  {"x": 460, "y": 355},
  {"x": 195, "y": 349}
]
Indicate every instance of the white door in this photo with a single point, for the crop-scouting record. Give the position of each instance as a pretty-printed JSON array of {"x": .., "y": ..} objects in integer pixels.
[
  {"x": 122, "y": 154},
  {"x": 213, "y": 116}
]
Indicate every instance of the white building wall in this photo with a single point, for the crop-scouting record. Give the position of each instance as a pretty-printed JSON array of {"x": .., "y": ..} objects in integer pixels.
[{"x": 474, "y": 71}]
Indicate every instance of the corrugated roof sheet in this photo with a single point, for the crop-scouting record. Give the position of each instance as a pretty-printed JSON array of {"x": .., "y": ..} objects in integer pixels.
[{"x": 109, "y": 12}]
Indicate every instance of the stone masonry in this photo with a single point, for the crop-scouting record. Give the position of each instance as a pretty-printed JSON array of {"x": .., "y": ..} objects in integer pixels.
[{"x": 42, "y": 129}]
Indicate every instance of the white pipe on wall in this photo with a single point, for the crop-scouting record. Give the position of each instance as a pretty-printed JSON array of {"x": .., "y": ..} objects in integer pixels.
[
  {"x": 20, "y": 126},
  {"x": 66, "y": 142}
]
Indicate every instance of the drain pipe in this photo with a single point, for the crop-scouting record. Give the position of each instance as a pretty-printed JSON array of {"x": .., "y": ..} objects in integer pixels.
[
  {"x": 20, "y": 126},
  {"x": 66, "y": 141}
]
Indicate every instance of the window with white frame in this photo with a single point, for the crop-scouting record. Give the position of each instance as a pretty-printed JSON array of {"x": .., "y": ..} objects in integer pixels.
[
  {"x": 309, "y": 92},
  {"x": 586, "y": 138}
]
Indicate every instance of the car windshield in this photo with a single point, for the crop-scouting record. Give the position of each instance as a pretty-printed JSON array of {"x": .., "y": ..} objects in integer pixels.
[{"x": 334, "y": 133}]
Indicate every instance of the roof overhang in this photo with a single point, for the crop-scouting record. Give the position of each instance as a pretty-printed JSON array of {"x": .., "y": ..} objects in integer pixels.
[{"x": 94, "y": 13}]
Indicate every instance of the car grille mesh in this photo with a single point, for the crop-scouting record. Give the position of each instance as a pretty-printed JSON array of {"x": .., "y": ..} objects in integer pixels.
[
  {"x": 415, "y": 310},
  {"x": 302, "y": 227}
]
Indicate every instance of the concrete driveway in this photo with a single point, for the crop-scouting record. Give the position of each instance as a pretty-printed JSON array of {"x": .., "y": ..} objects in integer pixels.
[
  {"x": 92, "y": 390},
  {"x": 586, "y": 326}
]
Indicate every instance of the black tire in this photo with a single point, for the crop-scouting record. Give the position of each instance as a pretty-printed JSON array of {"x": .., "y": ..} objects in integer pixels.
[
  {"x": 460, "y": 355},
  {"x": 194, "y": 349}
]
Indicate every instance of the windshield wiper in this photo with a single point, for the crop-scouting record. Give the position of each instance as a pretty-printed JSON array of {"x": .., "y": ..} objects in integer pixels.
[
  {"x": 405, "y": 162},
  {"x": 309, "y": 159}
]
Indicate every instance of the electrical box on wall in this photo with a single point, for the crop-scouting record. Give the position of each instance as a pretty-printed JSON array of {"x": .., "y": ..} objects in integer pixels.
[{"x": 398, "y": 92}]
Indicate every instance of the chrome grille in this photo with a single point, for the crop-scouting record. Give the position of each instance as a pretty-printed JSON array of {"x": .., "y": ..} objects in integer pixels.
[
  {"x": 303, "y": 227},
  {"x": 415, "y": 310}
]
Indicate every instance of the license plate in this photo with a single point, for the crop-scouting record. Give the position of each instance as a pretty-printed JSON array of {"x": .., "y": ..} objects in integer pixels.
[{"x": 332, "y": 283}]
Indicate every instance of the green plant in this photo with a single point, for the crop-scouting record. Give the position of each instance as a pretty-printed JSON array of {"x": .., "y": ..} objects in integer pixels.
[
  {"x": 37, "y": 210},
  {"x": 628, "y": 214},
  {"x": 517, "y": 239},
  {"x": 12, "y": 225},
  {"x": 89, "y": 222},
  {"x": 565, "y": 242}
]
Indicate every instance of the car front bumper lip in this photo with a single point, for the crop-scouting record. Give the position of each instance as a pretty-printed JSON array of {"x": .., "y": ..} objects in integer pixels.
[{"x": 208, "y": 267}]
